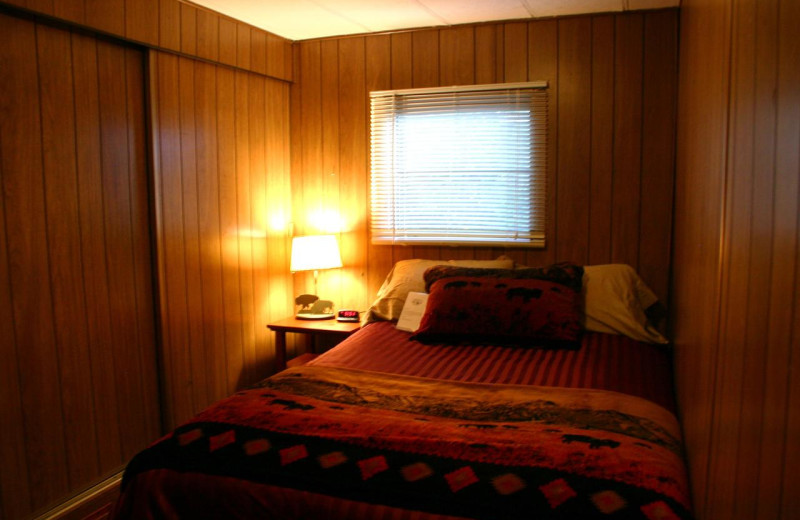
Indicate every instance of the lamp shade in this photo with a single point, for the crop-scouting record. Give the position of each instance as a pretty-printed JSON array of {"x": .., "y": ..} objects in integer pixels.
[{"x": 315, "y": 252}]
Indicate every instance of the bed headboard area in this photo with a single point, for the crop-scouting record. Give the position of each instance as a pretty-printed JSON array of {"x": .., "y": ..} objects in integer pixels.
[{"x": 610, "y": 152}]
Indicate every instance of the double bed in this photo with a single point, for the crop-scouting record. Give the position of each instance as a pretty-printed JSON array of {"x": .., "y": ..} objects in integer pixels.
[{"x": 459, "y": 419}]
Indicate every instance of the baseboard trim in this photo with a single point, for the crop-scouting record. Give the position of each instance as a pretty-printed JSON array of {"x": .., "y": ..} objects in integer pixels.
[{"x": 84, "y": 504}]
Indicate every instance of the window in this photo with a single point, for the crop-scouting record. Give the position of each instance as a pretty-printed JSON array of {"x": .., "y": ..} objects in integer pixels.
[{"x": 459, "y": 165}]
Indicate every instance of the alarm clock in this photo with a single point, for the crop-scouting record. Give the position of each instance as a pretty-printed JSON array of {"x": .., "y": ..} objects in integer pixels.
[{"x": 348, "y": 315}]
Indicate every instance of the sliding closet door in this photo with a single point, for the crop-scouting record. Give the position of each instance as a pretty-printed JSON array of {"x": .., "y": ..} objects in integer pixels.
[{"x": 77, "y": 355}]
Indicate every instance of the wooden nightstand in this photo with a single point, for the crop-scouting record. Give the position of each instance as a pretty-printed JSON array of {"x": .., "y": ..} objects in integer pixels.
[{"x": 309, "y": 328}]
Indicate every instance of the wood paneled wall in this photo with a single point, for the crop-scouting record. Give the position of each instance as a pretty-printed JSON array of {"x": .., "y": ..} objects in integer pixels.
[
  {"x": 77, "y": 355},
  {"x": 223, "y": 209},
  {"x": 178, "y": 26},
  {"x": 736, "y": 262},
  {"x": 613, "y": 84}
]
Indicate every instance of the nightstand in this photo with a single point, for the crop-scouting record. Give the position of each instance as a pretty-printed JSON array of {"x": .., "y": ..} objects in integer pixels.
[{"x": 310, "y": 328}]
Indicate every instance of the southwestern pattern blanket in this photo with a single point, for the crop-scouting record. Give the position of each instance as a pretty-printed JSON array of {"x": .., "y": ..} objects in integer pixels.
[{"x": 463, "y": 450}]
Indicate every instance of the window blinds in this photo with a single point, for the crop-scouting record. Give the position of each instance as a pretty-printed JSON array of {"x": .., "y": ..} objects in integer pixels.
[{"x": 461, "y": 165}]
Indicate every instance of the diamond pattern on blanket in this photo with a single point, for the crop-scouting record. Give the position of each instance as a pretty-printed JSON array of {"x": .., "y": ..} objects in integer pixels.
[
  {"x": 461, "y": 478},
  {"x": 257, "y": 446},
  {"x": 608, "y": 502},
  {"x": 508, "y": 484},
  {"x": 220, "y": 441},
  {"x": 293, "y": 454},
  {"x": 416, "y": 471},
  {"x": 332, "y": 459},
  {"x": 190, "y": 436},
  {"x": 659, "y": 511},
  {"x": 557, "y": 492}
]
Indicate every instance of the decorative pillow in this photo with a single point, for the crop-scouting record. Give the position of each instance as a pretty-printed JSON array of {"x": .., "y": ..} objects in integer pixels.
[
  {"x": 563, "y": 273},
  {"x": 407, "y": 276},
  {"x": 524, "y": 311},
  {"x": 615, "y": 301}
]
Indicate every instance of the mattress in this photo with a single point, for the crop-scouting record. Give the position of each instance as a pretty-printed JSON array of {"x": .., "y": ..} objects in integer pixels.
[{"x": 383, "y": 426}]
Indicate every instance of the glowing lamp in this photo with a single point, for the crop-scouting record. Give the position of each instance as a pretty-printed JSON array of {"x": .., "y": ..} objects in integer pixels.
[{"x": 312, "y": 253}]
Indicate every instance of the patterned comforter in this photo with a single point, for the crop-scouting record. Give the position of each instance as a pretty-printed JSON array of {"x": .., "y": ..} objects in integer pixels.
[{"x": 327, "y": 442}]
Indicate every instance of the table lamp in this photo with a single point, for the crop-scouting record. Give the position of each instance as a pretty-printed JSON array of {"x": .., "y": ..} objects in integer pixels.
[{"x": 312, "y": 253}]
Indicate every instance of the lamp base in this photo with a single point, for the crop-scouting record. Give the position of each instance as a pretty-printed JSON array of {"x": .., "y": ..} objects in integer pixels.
[{"x": 314, "y": 316}]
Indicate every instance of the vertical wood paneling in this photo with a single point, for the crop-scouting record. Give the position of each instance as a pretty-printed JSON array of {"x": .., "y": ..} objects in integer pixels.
[
  {"x": 258, "y": 225},
  {"x": 93, "y": 247},
  {"x": 784, "y": 331},
  {"x": 515, "y": 46},
  {"x": 169, "y": 19},
  {"x": 306, "y": 189},
  {"x": 63, "y": 230},
  {"x": 80, "y": 379},
  {"x": 191, "y": 234},
  {"x": 242, "y": 228},
  {"x": 625, "y": 210},
  {"x": 188, "y": 29},
  {"x": 207, "y": 34},
  {"x": 425, "y": 58},
  {"x": 243, "y": 46},
  {"x": 209, "y": 229},
  {"x": 457, "y": 56},
  {"x": 258, "y": 51},
  {"x": 736, "y": 255},
  {"x": 602, "y": 145},
  {"x": 171, "y": 240},
  {"x": 14, "y": 478},
  {"x": 227, "y": 41},
  {"x": 231, "y": 291},
  {"x": 120, "y": 254},
  {"x": 486, "y": 54},
  {"x": 354, "y": 134},
  {"x": 32, "y": 298},
  {"x": 574, "y": 143},
  {"x": 106, "y": 15},
  {"x": 590, "y": 87},
  {"x": 216, "y": 199},
  {"x": 702, "y": 122},
  {"x": 659, "y": 93},
  {"x": 330, "y": 171},
  {"x": 141, "y": 21},
  {"x": 18, "y": 55},
  {"x": 277, "y": 212},
  {"x": 177, "y": 26},
  {"x": 279, "y": 57},
  {"x": 71, "y": 11},
  {"x": 145, "y": 419},
  {"x": 82, "y": 392}
]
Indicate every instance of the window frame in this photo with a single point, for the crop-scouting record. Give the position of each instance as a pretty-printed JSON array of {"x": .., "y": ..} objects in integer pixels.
[{"x": 535, "y": 202}]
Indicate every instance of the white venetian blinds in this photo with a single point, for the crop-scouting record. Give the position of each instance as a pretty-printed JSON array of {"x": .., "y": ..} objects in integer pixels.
[{"x": 460, "y": 165}]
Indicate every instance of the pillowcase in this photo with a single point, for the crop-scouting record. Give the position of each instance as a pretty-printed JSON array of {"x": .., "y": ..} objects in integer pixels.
[
  {"x": 407, "y": 276},
  {"x": 615, "y": 301},
  {"x": 563, "y": 273},
  {"x": 525, "y": 309}
]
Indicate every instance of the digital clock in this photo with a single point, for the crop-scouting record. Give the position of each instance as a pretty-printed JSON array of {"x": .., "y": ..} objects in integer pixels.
[{"x": 348, "y": 315}]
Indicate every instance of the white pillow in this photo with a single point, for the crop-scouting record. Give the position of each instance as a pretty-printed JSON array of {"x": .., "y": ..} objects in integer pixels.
[
  {"x": 615, "y": 299},
  {"x": 406, "y": 276}
]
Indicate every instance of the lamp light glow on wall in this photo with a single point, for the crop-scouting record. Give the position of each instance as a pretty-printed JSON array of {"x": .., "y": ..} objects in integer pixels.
[{"x": 312, "y": 253}]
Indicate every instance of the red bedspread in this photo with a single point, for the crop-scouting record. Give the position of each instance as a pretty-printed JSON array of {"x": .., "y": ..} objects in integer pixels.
[
  {"x": 604, "y": 362},
  {"x": 341, "y": 443}
]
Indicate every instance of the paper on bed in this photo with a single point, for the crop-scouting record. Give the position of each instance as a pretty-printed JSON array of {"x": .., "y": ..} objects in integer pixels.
[{"x": 413, "y": 310}]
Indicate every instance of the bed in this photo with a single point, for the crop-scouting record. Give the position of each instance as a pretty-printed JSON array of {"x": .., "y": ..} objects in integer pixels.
[{"x": 462, "y": 418}]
